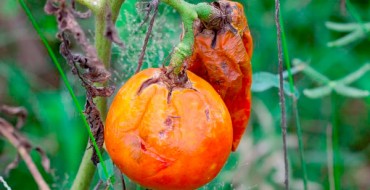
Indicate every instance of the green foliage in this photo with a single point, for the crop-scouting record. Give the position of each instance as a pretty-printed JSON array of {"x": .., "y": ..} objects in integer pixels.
[
  {"x": 263, "y": 81},
  {"x": 110, "y": 179}
]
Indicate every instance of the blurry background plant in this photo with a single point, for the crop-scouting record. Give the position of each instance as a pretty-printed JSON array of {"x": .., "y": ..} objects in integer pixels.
[{"x": 331, "y": 84}]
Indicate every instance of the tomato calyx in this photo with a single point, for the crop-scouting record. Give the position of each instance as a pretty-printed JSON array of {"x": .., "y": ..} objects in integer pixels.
[
  {"x": 219, "y": 22},
  {"x": 168, "y": 78}
]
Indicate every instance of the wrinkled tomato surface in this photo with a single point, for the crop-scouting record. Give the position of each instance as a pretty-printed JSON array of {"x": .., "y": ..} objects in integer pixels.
[
  {"x": 223, "y": 58},
  {"x": 163, "y": 136}
]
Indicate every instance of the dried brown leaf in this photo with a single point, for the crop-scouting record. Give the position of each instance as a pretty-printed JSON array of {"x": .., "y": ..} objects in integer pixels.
[
  {"x": 45, "y": 162},
  {"x": 12, "y": 165},
  {"x": 20, "y": 112},
  {"x": 111, "y": 31}
]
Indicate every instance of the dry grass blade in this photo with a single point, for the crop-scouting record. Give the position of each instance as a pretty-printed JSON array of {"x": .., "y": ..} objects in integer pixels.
[
  {"x": 20, "y": 112},
  {"x": 22, "y": 145}
]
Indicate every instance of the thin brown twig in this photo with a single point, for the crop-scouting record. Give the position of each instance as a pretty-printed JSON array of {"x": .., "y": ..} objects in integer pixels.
[
  {"x": 154, "y": 5},
  {"x": 281, "y": 92}
]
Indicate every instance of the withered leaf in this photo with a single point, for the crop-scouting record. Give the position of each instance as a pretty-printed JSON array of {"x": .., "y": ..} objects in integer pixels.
[{"x": 45, "y": 162}]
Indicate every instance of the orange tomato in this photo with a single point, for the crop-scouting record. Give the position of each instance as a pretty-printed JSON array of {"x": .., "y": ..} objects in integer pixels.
[
  {"x": 167, "y": 136},
  {"x": 223, "y": 58}
]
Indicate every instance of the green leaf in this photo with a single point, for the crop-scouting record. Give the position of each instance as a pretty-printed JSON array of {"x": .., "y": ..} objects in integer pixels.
[
  {"x": 318, "y": 92},
  {"x": 351, "y": 92},
  {"x": 110, "y": 168},
  {"x": 263, "y": 81}
]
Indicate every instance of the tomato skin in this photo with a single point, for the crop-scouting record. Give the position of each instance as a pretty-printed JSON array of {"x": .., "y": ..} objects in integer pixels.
[
  {"x": 223, "y": 58},
  {"x": 181, "y": 142}
]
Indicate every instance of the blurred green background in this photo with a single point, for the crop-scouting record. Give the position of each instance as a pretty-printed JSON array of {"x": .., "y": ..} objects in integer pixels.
[{"x": 28, "y": 78}]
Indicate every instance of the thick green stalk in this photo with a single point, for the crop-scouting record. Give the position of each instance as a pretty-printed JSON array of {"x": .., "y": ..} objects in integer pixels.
[
  {"x": 85, "y": 171},
  {"x": 93, "y": 6},
  {"x": 103, "y": 46},
  {"x": 189, "y": 13}
]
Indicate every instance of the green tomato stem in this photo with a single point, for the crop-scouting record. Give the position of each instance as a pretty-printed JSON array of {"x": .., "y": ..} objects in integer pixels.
[{"x": 189, "y": 13}]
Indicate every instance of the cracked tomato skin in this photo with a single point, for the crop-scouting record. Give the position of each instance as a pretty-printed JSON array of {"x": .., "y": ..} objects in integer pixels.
[
  {"x": 176, "y": 143},
  {"x": 223, "y": 58}
]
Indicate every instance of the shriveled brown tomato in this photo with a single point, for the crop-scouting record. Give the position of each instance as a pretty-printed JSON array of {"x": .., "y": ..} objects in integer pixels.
[
  {"x": 222, "y": 56},
  {"x": 168, "y": 134}
]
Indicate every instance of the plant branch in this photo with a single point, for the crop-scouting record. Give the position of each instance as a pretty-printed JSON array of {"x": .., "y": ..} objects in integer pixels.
[
  {"x": 93, "y": 5},
  {"x": 281, "y": 91},
  {"x": 189, "y": 13},
  {"x": 103, "y": 47}
]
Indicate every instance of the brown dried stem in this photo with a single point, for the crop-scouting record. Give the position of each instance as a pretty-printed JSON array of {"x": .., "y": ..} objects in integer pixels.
[
  {"x": 281, "y": 92},
  {"x": 153, "y": 5}
]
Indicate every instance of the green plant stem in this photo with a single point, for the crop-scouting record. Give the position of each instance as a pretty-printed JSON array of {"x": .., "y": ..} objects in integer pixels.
[
  {"x": 85, "y": 171},
  {"x": 103, "y": 46},
  {"x": 189, "y": 13},
  {"x": 335, "y": 144},
  {"x": 329, "y": 150},
  {"x": 92, "y": 5}
]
